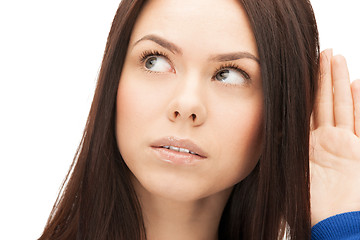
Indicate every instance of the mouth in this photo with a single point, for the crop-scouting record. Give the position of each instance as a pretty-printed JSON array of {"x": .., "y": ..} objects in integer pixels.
[
  {"x": 179, "y": 149},
  {"x": 184, "y": 146}
]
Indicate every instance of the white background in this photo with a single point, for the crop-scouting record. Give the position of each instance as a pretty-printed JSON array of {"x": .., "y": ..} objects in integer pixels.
[{"x": 50, "y": 55}]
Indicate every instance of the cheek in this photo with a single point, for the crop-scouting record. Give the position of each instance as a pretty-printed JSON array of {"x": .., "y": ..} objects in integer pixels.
[
  {"x": 132, "y": 104},
  {"x": 231, "y": 136},
  {"x": 132, "y": 114},
  {"x": 241, "y": 139},
  {"x": 137, "y": 106}
]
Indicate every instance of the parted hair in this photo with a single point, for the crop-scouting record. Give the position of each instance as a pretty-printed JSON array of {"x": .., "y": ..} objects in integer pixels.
[{"x": 97, "y": 200}]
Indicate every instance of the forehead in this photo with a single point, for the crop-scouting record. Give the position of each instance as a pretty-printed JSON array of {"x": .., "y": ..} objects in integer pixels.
[{"x": 219, "y": 25}]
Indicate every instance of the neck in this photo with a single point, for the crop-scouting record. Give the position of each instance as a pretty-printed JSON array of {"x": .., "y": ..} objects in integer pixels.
[{"x": 192, "y": 220}]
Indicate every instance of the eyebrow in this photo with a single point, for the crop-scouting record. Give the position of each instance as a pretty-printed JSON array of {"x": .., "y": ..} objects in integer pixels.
[
  {"x": 162, "y": 42},
  {"x": 175, "y": 49},
  {"x": 233, "y": 56}
]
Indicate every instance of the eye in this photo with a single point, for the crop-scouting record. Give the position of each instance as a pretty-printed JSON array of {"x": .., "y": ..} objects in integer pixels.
[
  {"x": 157, "y": 63},
  {"x": 232, "y": 75}
]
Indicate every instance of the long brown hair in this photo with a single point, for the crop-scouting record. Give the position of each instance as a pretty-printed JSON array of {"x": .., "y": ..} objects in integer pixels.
[{"x": 97, "y": 200}]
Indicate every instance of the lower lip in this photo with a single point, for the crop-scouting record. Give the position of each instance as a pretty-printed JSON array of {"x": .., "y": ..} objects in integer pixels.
[{"x": 178, "y": 158}]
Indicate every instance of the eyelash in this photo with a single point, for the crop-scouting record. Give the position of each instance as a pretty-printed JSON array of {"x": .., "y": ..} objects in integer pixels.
[
  {"x": 232, "y": 66},
  {"x": 146, "y": 54}
]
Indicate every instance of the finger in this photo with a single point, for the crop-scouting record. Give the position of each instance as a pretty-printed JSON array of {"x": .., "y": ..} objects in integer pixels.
[
  {"x": 355, "y": 89},
  {"x": 323, "y": 109},
  {"x": 312, "y": 124},
  {"x": 343, "y": 103}
]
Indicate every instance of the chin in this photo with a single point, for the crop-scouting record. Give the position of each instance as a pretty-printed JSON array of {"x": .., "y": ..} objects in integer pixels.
[{"x": 179, "y": 190}]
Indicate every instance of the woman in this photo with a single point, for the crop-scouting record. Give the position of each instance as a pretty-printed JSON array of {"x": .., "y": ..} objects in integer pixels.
[{"x": 200, "y": 125}]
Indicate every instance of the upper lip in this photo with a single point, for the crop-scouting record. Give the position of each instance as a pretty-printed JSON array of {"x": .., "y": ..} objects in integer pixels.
[{"x": 180, "y": 143}]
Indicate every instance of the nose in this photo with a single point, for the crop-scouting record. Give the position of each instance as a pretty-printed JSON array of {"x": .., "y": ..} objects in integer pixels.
[{"x": 187, "y": 104}]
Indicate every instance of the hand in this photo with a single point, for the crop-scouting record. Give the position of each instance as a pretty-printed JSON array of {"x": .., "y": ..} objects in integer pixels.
[{"x": 335, "y": 141}]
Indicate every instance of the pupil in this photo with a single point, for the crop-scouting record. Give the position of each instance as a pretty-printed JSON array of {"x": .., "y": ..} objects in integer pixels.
[
  {"x": 223, "y": 74},
  {"x": 150, "y": 62}
]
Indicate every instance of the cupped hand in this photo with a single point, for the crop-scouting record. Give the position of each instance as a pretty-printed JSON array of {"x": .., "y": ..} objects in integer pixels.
[{"x": 335, "y": 141}]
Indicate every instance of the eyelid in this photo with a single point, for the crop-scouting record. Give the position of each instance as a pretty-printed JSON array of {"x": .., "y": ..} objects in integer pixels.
[
  {"x": 233, "y": 67},
  {"x": 148, "y": 53}
]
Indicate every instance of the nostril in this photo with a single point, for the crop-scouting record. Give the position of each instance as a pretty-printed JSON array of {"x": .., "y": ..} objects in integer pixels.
[
  {"x": 193, "y": 116},
  {"x": 176, "y": 114}
]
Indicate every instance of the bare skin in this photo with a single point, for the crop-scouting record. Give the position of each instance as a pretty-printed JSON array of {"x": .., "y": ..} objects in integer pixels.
[
  {"x": 188, "y": 88},
  {"x": 195, "y": 220},
  {"x": 335, "y": 142},
  {"x": 176, "y": 95}
]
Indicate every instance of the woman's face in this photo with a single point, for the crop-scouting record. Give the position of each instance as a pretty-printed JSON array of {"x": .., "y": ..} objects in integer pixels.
[{"x": 191, "y": 80}]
